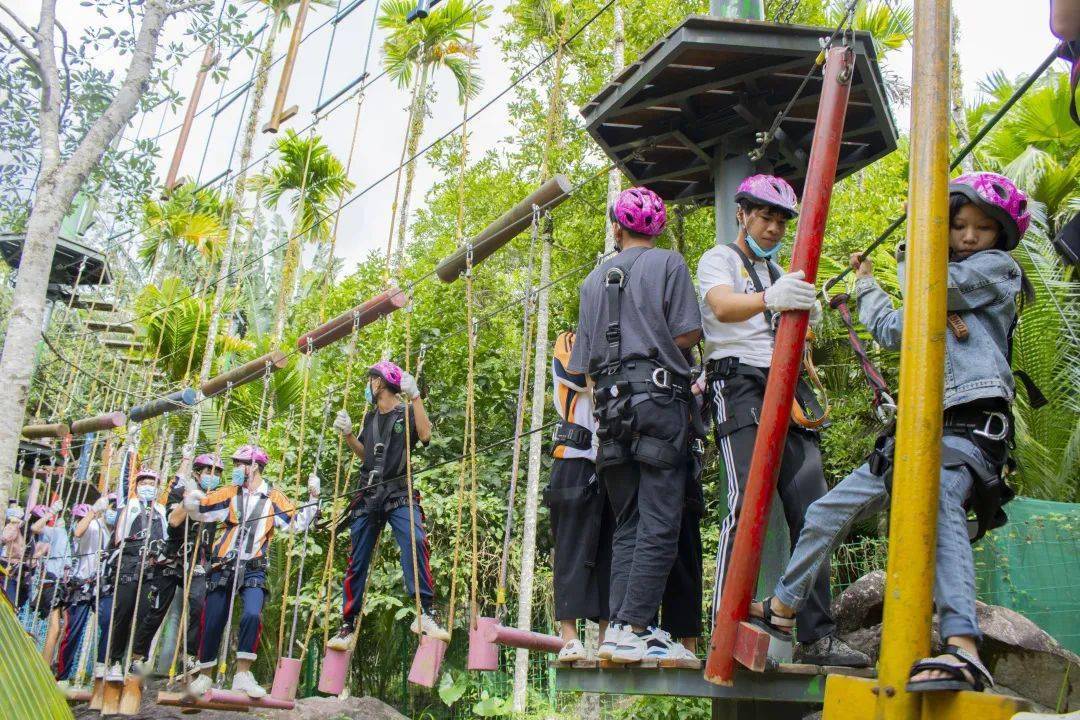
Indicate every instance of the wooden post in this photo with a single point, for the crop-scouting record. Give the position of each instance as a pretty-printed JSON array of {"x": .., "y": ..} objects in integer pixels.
[
  {"x": 783, "y": 373},
  {"x": 209, "y": 59},
  {"x": 279, "y": 113}
]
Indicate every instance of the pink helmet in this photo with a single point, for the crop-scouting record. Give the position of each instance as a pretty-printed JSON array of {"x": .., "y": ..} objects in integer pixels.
[
  {"x": 209, "y": 460},
  {"x": 389, "y": 372},
  {"x": 80, "y": 510},
  {"x": 640, "y": 211},
  {"x": 998, "y": 197},
  {"x": 251, "y": 454},
  {"x": 112, "y": 497},
  {"x": 769, "y": 190},
  {"x": 147, "y": 473},
  {"x": 39, "y": 510}
]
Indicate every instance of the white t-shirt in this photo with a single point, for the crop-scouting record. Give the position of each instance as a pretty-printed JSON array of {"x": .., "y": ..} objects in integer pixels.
[
  {"x": 88, "y": 548},
  {"x": 750, "y": 340}
]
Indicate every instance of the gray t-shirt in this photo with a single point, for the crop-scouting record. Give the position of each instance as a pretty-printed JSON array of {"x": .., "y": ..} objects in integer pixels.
[{"x": 658, "y": 304}]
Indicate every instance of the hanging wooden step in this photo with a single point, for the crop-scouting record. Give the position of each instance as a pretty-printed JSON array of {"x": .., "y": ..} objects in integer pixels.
[
  {"x": 280, "y": 113},
  {"x": 363, "y": 314},
  {"x": 93, "y": 305},
  {"x": 104, "y": 327},
  {"x": 118, "y": 344},
  {"x": 209, "y": 59},
  {"x": 251, "y": 370},
  {"x": 505, "y": 228}
]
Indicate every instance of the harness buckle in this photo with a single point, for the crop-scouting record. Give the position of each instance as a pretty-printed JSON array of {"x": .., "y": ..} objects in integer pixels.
[
  {"x": 989, "y": 434},
  {"x": 697, "y": 446},
  {"x": 886, "y": 409},
  {"x": 661, "y": 378},
  {"x": 615, "y": 276}
]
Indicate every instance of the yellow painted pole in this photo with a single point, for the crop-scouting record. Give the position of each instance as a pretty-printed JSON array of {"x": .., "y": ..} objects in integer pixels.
[{"x": 913, "y": 527}]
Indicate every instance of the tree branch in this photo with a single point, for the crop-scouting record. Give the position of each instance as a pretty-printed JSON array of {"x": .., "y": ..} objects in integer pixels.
[
  {"x": 27, "y": 53},
  {"x": 67, "y": 75},
  {"x": 188, "y": 6},
  {"x": 18, "y": 21}
]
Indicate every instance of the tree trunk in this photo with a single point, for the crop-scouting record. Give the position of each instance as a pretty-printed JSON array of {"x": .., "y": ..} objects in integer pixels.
[
  {"x": 532, "y": 486},
  {"x": 417, "y": 113},
  {"x": 618, "y": 62},
  {"x": 58, "y": 183},
  {"x": 956, "y": 85},
  {"x": 539, "y": 398}
]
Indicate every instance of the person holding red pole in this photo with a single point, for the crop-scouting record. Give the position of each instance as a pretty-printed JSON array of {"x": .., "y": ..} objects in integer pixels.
[{"x": 742, "y": 293}]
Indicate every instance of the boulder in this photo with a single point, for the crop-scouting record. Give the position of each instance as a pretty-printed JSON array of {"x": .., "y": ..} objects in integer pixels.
[
  {"x": 332, "y": 708},
  {"x": 1023, "y": 658}
]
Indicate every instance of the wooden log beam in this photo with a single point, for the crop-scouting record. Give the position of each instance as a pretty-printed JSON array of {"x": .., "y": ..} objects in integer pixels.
[
  {"x": 209, "y": 59},
  {"x": 506, "y": 227},
  {"x": 171, "y": 402},
  {"x": 99, "y": 423},
  {"x": 363, "y": 314},
  {"x": 280, "y": 114},
  {"x": 35, "y": 432},
  {"x": 252, "y": 369}
]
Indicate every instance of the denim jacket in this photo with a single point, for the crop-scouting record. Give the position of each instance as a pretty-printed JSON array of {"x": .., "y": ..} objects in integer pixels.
[{"x": 982, "y": 290}]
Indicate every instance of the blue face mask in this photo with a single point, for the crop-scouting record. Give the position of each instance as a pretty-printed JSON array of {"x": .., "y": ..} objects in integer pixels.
[
  {"x": 110, "y": 517},
  {"x": 238, "y": 476},
  {"x": 209, "y": 481},
  {"x": 762, "y": 254},
  {"x": 146, "y": 493},
  {"x": 368, "y": 394}
]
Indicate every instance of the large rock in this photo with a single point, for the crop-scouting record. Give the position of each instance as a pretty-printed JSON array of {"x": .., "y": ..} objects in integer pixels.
[
  {"x": 332, "y": 708},
  {"x": 1023, "y": 658}
]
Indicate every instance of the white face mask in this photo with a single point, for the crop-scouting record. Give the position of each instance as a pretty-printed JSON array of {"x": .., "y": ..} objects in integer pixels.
[{"x": 146, "y": 493}]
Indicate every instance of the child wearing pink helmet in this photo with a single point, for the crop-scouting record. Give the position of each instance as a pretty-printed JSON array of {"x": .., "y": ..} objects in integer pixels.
[
  {"x": 987, "y": 217},
  {"x": 742, "y": 292},
  {"x": 637, "y": 320},
  {"x": 383, "y": 497}
]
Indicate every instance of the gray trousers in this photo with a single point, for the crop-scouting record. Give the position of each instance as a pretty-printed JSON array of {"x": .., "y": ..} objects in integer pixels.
[
  {"x": 801, "y": 481},
  {"x": 862, "y": 494},
  {"x": 648, "y": 504}
]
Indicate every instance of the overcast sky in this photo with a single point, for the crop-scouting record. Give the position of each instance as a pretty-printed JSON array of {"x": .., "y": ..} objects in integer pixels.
[{"x": 994, "y": 35}]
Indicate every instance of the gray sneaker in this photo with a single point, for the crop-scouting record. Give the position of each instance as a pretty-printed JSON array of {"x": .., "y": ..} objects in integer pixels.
[{"x": 830, "y": 650}]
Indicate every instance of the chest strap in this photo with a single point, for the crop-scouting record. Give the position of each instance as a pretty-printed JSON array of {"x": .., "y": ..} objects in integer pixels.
[{"x": 615, "y": 280}]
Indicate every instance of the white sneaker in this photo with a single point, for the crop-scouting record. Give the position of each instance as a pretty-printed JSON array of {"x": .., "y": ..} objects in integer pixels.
[
  {"x": 115, "y": 673},
  {"x": 345, "y": 639},
  {"x": 572, "y": 652},
  {"x": 199, "y": 686},
  {"x": 191, "y": 667},
  {"x": 245, "y": 682},
  {"x": 612, "y": 636},
  {"x": 99, "y": 671},
  {"x": 651, "y": 643},
  {"x": 682, "y": 657},
  {"x": 429, "y": 626}
]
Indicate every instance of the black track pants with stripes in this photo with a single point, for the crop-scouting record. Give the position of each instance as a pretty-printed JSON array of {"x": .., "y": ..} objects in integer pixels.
[{"x": 800, "y": 483}]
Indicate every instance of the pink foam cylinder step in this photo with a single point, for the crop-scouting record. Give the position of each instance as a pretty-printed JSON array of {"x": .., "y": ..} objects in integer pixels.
[
  {"x": 286, "y": 679},
  {"x": 335, "y": 669},
  {"x": 238, "y": 698},
  {"x": 483, "y": 653},
  {"x": 524, "y": 639},
  {"x": 427, "y": 661}
]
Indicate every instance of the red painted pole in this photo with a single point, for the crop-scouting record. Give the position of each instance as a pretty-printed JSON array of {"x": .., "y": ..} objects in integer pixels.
[{"x": 784, "y": 372}]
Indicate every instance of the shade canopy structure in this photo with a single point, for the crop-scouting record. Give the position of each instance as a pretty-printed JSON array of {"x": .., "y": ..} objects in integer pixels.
[
  {"x": 67, "y": 260},
  {"x": 699, "y": 96}
]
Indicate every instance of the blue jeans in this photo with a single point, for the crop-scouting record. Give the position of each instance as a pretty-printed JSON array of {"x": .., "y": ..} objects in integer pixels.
[
  {"x": 861, "y": 495},
  {"x": 216, "y": 613},
  {"x": 364, "y": 532},
  {"x": 104, "y": 616}
]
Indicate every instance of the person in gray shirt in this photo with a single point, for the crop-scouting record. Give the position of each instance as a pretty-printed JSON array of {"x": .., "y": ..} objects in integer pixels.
[{"x": 638, "y": 316}]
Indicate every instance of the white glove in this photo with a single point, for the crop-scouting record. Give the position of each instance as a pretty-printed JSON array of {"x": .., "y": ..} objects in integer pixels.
[
  {"x": 314, "y": 486},
  {"x": 56, "y": 508},
  {"x": 790, "y": 292},
  {"x": 100, "y": 505},
  {"x": 816, "y": 314},
  {"x": 193, "y": 496},
  {"x": 698, "y": 387},
  {"x": 409, "y": 387},
  {"x": 342, "y": 423}
]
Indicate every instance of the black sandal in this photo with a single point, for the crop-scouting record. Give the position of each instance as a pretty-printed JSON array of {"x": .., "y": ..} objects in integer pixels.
[
  {"x": 770, "y": 621},
  {"x": 980, "y": 678}
]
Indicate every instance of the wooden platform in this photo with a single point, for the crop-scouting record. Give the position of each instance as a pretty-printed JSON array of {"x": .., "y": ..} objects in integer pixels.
[{"x": 789, "y": 683}]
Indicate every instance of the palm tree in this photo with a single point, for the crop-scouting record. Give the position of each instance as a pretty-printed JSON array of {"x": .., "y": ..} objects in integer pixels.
[
  {"x": 412, "y": 53},
  {"x": 1038, "y": 146},
  {"x": 186, "y": 230},
  {"x": 307, "y": 167}
]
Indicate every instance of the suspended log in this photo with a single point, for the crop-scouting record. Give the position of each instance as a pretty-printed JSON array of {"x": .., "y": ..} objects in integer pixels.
[
  {"x": 34, "y": 432},
  {"x": 180, "y": 700},
  {"x": 123, "y": 345},
  {"x": 488, "y": 633},
  {"x": 335, "y": 668},
  {"x": 363, "y": 314},
  {"x": 99, "y": 423},
  {"x": 427, "y": 662},
  {"x": 280, "y": 114},
  {"x": 245, "y": 373},
  {"x": 210, "y": 58},
  {"x": 98, "y": 305},
  {"x": 173, "y": 401},
  {"x": 504, "y": 229}
]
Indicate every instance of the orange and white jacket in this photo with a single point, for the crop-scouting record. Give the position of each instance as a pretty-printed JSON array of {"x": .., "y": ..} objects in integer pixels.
[
  {"x": 573, "y": 399},
  {"x": 264, "y": 510}
]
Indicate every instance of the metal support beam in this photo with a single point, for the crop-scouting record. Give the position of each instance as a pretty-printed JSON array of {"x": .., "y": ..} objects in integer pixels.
[
  {"x": 784, "y": 371},
  {"x": 280, "y": 113}
]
